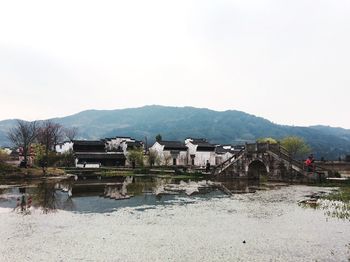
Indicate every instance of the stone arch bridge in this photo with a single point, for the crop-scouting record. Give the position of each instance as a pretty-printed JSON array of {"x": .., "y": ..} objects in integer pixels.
[{"x": 265, "y": 159}]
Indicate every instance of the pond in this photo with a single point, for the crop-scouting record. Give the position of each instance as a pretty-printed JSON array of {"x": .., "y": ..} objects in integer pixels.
[
  {"x": 162, "y": 219},
  {"x": 96, "y": 196}
]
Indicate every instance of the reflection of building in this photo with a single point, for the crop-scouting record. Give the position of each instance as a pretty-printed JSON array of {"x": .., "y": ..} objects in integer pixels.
[
  {"x": 171, "y": 152},
  {"x": 200, "y": 151},
  {"x": 90, "y": 153}
]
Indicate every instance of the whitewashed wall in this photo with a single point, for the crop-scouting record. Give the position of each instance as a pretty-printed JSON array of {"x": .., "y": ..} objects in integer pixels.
[
  {"x": 64, "y": 148},
  {"x": 181, "y": 158},
  {"x": 114, "y": 143},
  {"x": 201, "y": 157},
  {"x": 220, "y": 158}
]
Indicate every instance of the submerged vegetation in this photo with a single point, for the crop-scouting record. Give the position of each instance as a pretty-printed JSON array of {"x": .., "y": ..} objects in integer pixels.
[
  {"x": 342, "y": 194},
  {"x": 335, "y": 204}
]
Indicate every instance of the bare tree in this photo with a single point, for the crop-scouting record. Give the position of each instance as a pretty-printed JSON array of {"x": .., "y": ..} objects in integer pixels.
[
  {"x": 152, "y": 157},
  {"x": 23, "y": 135},
  {"x": 71, "y": 133},
  {"x": 135, "y": 157},
  {"x": 167, "y": 159},
  {"x": 49, "y": 135}
]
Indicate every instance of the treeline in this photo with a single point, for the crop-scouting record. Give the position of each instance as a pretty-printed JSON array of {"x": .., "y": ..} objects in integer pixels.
[
  {"x": 40, "y": 139},
  {"x": 296, "y": 146}
]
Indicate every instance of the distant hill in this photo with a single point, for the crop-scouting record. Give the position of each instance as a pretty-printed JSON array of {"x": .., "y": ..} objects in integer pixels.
[{"x": 228, "y": 127}]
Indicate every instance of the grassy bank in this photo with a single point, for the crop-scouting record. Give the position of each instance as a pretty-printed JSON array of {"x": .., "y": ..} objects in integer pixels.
[
  {"x": 6, "y": 169},
  {"x": 9, "y": 171},
  {"x": 117, "y": 172}
]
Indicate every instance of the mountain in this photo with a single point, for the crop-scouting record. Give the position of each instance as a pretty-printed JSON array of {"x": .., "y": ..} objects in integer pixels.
[{"x": 228, "y": 127}]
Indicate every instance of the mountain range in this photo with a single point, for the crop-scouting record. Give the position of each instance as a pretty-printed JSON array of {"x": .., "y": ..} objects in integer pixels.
[{"x": 178, "y": 123}]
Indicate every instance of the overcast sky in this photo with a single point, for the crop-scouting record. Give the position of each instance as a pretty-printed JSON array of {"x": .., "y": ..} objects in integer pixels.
[{"x": 285, "y": 60}]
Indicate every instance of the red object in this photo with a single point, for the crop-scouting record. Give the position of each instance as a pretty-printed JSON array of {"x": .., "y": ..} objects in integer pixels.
[
  {"x": 29, "y": 202},
  {"x": 308, "y": 162}
]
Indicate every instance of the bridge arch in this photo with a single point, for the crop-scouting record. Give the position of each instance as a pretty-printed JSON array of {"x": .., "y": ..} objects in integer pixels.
[{"x": 257, "y": 168}]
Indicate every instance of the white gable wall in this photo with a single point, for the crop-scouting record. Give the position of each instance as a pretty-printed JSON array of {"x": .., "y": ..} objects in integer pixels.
[
  {"x": 64, "y": 147},
  {"x": 220, "y": 158},
  {"x": 181, "y": 157},
  {"x": 201, "y": 157},
  {"x": 114, "y": 143}
]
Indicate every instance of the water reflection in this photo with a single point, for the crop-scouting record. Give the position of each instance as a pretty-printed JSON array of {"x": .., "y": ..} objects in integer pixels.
[
  {"x": 111, "y": 194},
  {"x": 46, "y": 196}
]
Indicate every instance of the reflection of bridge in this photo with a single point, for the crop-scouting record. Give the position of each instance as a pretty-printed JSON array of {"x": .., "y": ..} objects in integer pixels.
[{"x": 264, "y": 159}]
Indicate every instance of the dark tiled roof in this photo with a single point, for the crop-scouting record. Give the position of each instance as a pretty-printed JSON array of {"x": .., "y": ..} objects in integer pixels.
[
  {"x": 222, "y": 150},
  {"x": 203, "y": 144},
  {"x": 125, "y": 137},
  {"x": 173, "y": 145},
  {"x": 99, "y": 156},
  {"x": 198, "y": 140},
  {"x": 88, "y": 142},
  {"x": 62, "y": 143},
  {"x": 134, "y": 144},
  {"x": 234, "y": 149}
]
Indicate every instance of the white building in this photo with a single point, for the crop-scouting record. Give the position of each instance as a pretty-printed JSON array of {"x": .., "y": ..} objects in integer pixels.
[
  {"x": 171, "y": 153},
  {"x": 6, "y": 150},
  {"x": 223, "y": 153},
  {"x": 123, "y": 144},
  {"x": 64, "y": 147},
  {"x": 200, "y": 152}
]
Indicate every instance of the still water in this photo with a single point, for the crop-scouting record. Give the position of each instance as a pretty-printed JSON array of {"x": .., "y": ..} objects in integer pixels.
[
  {"x": 96, "y": 196},
  {"x": 156, "y": 219}
]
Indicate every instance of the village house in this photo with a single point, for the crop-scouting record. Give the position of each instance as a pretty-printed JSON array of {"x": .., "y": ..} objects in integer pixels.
[
  {"x": 6, "y": 150},
  {"x": 123, "y": 144},
  {"x": 224, "y": 152},
  {"x": 200, "y": 152},
  {"x": 93, "y": 154},
  {"x": 170, "y": 152},
  {"x": 64, "y": 147}
]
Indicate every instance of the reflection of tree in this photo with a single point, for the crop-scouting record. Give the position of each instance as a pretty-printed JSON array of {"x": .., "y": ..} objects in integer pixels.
[
  {"x": 136, "y": 188},
  {"x": 68, "y": 204},
  {"x": 46, "y": 197}
]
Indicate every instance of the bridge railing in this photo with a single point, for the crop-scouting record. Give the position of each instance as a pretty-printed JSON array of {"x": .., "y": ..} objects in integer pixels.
[
  {"x": 285, "y": 153},
  {"x": 228, "y": 161},
  {"x": 282, "y": 152},
  {"x": 251, "y": 147},
  {"x": 260, "y": 147}
]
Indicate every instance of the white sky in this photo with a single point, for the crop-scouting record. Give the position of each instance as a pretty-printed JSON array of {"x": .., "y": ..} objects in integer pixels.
[{"x": 285, "y": 60}]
